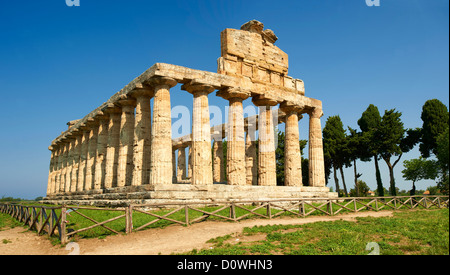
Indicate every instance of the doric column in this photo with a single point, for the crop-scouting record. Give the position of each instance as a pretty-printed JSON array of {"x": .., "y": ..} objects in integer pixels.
[
  {"x": 189, "y": 176},
  {"x": 142, "y": 136},
  {"x": 316, "y": 160},
  {"x": 161, "y": 133},
  {"x": 181, "y": 164},
  {"x": 251, "y": 159},
  {"x": 66, "y": 144},
  {"x": 69, "y": 166},
  {"x": 218, "y": 162},
  {"x": 100, "y": 160},
  {"x": 56, "y": 170},
  {"x": 292, "y": 156},
  {"x": 113, "y": 145},
  {"x": 52, "y": 168},
  {"x": 201, "y": 134},
  {"x": 76, "y": 159},
  {"x": 58, "y": 177},
  {"x": 174, "y": 166},
  {"x": 125, "y": 168},
  {"x": 266, "y": 143},
  {"x": 83, "y": 158},
  {"x": 91, "y": 154},
  {"x": 236, "y": 172}
]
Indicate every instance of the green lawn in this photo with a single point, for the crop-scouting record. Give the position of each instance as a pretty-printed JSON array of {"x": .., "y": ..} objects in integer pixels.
[{"x": 407, "y": 232}]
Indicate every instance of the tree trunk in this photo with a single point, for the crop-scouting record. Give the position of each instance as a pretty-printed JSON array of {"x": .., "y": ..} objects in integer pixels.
[
  {"x": 356, "y": 178},
  {"x": 391, "y": 173},
  {"x": 336, "y": 181},
  {"x": 413, "y": 190},
  {"x": 380, "y": 188},
  {"x": 392, "y": 182},
  {"x": 343, "y": 181}
]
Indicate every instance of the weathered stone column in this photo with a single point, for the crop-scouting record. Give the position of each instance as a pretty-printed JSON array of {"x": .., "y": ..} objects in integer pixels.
[
  {"x": 142, "y": 136},
  {"x": 57, "y": 173},
  {"x": 316, "y": 160},
  {"x": 251, "y": 159},
  {"x": 292, "y": 156},
  {"x": 266, "y": 143},
  {"x": 83, "y": 158},
  {"x": 100, "y": 160},
  {"x": 66, "y": 144},
  {"x": 125, "y": 168},
  {"x": 113, "y": 145},
  {"x": 236, "y": 172},
  {"x": 201, "y": 134},
  {"x": 161, "y": 141},
  {"x": 218, "y": 161},
  {"x": 91, "y": 154},
  {"x": 189, "y": 176},
  {"x": 174, "y": 166},
  {"x": 69, "y": 166},
  {"x": 52, "y": 169},
  {"x": 181, "y": 164},
  {"x": 76, "y": 159}
]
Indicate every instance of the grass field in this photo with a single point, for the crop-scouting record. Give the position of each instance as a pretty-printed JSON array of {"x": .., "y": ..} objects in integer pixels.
[{"x": 408, "y": 232}]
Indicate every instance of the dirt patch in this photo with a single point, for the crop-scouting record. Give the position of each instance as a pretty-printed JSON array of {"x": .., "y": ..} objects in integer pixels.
[
  {"x": 172, "y": 239},
  {"x": 20, "y": 241}
]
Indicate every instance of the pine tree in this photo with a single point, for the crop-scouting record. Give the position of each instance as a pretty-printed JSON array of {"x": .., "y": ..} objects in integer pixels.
[
  {"x": 435, "y": 119},
  {"x": 369, "y": 123}
]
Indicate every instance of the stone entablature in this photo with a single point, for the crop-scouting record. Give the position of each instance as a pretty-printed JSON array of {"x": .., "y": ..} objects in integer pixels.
[{"x": 125, "y": 143}]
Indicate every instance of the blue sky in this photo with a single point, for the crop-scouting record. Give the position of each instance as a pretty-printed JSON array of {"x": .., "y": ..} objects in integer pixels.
[{"x": 58, "y": 63}]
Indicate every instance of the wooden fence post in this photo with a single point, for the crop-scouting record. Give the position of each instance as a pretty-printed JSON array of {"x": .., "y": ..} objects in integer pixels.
[
  {"x": 301, "y": 209},
  {"x": 330, "y": 207},
  {"x": 186, "y": 214},
  {"x": 128, "y": 219},
  {"x": 269, "y": 212},
  {"x": 233, "y": 211},
  {"x": 63, "y": 231}
]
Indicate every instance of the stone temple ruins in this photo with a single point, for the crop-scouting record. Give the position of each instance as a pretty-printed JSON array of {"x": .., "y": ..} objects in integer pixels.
[{"x": 124, "y": 152}]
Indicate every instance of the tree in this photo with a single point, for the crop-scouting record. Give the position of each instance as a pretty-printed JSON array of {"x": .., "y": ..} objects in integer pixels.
[
  {"x": 355, "y": 149},
  {"x": 442, "y": 150},
  {"x": 363, "y": 190},
  {"x": 393, "y": 141},
  {"x": 442, "y": 154},
  {"x": 435, "y": 119},
  {"x": 334, "y": 144},
  {"x": 418, "y": 169},
  {"x": 369, "y": 123}
]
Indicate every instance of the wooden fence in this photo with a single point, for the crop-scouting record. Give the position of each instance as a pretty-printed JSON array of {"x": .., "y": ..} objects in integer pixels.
[{"x": 53, "y": 220}]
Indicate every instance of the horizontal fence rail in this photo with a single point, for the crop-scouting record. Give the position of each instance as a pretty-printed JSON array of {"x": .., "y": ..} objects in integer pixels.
[{"x": 56, "y": 220}]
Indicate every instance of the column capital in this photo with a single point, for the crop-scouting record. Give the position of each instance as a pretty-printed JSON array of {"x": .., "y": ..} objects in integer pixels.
[
  {"x": 142, "y": 90},
  {"x": 124, "y": 100},
  {"x": 261, "y": 100},
  {"x": 232, "y": 92},
  {"x": 197, "y": 87},
  {"x": 289, "y": 107},
  {"x": 161, "y": 80},
  {"x": 92, "y": 122},
  {"x": 100, "y": 115},
  {"x": 76, "y": 132},
  {"x": 316, "y": 113},
  {"x": 112, "y": 108}
]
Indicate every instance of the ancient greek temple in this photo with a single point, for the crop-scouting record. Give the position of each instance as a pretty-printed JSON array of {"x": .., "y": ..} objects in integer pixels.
[{"x": 124, "y": 149}]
